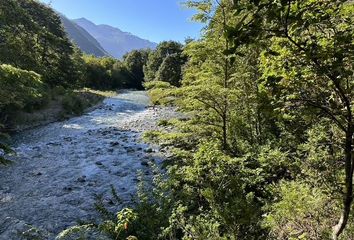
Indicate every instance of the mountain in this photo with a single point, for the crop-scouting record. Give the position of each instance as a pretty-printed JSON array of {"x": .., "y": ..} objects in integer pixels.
[
  {"x": 113, "y": 40},
  {"x": 82, "y": 38}
]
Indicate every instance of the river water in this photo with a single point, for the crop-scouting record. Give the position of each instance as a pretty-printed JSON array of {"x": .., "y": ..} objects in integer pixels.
[{"x": 61, "y": 167}]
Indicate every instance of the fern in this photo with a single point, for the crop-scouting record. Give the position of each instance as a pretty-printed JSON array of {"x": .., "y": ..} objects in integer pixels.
[
  {"x": 115, "y": 195},
  {"x": 102, "y": 210}
]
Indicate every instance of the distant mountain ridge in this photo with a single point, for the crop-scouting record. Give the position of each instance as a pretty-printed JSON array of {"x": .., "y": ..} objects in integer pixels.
[
  {"x": 82, "y": 38},
  {"x": 112, "y": 39}
]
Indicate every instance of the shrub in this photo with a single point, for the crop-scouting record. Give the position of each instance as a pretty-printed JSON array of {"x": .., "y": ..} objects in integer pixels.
[
  {"x": 301, "y": 212},
  {"x": 19, "y": 89},
  {"x": 73, "y": 104},
  {"x": 159, "y": 91},
  {"x": 57, "y": 91}
]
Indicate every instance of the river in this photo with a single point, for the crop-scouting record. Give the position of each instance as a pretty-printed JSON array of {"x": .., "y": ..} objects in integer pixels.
[{"x": 60, "y": 168}]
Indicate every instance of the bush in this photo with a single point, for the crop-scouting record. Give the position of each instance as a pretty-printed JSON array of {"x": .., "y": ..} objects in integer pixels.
[
  {"x": 73, "y": 104},
  {"x": 57, "y": 91},
  {"x": 159, "y": 91},
  {"x": 301, "y": 212},
  {"x": 106, "y": 73},
  {"x": 20, "y": 90}
]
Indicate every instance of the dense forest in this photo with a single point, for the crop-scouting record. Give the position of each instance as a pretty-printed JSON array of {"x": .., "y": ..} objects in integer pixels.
[{"x": 264, "y": 149}]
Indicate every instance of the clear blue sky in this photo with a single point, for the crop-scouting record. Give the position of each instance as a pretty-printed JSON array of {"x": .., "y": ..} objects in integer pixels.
[{"x": 155, "y": 20}]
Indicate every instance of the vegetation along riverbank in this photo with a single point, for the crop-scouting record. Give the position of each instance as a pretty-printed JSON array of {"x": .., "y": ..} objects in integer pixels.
[{"x": 245, "y": 132}]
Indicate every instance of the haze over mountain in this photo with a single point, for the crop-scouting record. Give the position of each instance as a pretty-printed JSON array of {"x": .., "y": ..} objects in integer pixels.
[
  {"x": 82, "y": 38},
  {"x": 113, "y": 40}
]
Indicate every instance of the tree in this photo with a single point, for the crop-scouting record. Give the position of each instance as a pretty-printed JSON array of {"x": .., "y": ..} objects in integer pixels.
[
  {"x": 122, "y": 77},
  {"x": 170, "y": 70},
  {"x": 215, "y": 172},
  {"x": 314, "y": 49},
  {"x": 135, "y": 62},
  {"x": 107, "y": 73},
  {"x": 156, "y": 58},
  {"x": 33, "y": 38},
  {"x": 208, "y": 78}
]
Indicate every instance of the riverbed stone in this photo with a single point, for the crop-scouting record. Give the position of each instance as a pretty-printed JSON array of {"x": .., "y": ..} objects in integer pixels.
[
  {"x": 113, "y": 144},
  {"x": 144, "y": 163},
  {"x": 71, "y": 150},
  {"x": 12, "y": 228},
  {"x": 81, "y": 179},
  {"x": 148, "y": 150}
]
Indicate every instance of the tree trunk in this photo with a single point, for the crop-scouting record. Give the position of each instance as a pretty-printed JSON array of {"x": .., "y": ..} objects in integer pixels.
[
  {"x": 348, "y": 195},
  {"x": 224, "y": 132}
]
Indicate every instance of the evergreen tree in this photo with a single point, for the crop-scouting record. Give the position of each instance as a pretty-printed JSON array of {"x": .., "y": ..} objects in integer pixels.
[
  {"x": 135, "y": 62},
  {"x": 33, "y": 38},
  {"x": 157, "y": 57}
]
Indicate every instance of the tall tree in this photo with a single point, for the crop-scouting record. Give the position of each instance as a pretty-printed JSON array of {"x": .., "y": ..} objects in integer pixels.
[
  {"x": 208, "y": 75},
  {"x": 33, "y": 38},
  {"x": 135, "y": 62},
  {"x": 171, "y": 69},
  {"x": 314, "y": 41},
  {"x": 156, "y": 58}
]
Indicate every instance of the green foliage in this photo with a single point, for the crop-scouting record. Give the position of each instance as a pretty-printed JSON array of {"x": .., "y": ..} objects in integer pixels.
[
  {"x": 170, "y": 70},
  {"x": 76, "y": 102},
  {"x": 228, "y": 200},
  {"x": 98, "y": 72},
  {"x": 265, "y": 148},
  {"x": 120, "y": 227},
  {"x": 73, "y": 104},
  {"x": 160, "y": 92},
  {"x": 33, "y": 39},
  {"x": 108, "y": 73},
  {"x": 83, "y": 232},
  {"x": 314, "y": 75},
  {"x": 152, "y": 206},
  {"x": 19, "y": 89},
  {"x": 203, "y": 226},
  {"x": 165, "y": 63},
  {"x": 35, "y": 55},
  {"x": 135, "y": 62},
  {"x": 297, "y": 211}
]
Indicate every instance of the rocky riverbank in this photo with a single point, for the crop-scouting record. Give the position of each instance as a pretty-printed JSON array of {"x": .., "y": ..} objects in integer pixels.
[{"x": 61, "y": 167}]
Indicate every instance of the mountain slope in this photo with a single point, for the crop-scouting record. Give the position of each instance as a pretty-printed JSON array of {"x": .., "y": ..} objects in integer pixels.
[
  {"x": 82, "y": 38},
  {"x": 113, "y": 40}
]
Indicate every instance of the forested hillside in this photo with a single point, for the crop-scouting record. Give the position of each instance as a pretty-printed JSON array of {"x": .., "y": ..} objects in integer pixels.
[
  {"x": 82, "y": 38},
  {"x": 38, "y": 63}
]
